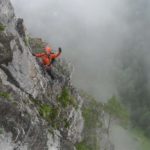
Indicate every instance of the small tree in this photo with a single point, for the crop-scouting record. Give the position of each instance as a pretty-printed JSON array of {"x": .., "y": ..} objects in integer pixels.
[{"x": 115, "y": 110}]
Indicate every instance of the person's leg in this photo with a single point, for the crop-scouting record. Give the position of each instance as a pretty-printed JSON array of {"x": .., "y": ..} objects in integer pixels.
[
  {"x": 53, "y": 61},
  {"x": 42, "y": 67},
  {"x": 49, "y": 71}
]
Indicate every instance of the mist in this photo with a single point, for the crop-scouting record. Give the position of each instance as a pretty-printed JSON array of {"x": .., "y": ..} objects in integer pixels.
[
  {"x": 100, "y": 38},
  {"x": 92, "y": 34},
  {"x": 89, "y": 32}
]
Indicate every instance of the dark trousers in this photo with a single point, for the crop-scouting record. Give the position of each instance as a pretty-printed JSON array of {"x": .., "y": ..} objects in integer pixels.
[{"x": 49, "y": 71}]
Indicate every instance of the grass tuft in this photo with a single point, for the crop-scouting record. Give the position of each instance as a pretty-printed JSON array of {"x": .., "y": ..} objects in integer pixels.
[
  {"x": 2, "y": 27},
  {"x": 5, "y": 95},
  {"x": 66, "y": 98}
]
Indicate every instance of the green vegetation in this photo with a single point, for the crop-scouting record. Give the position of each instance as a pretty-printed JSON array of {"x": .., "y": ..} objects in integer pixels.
[
  {"x": 55, "y": 115},
  {"x": 2, "y": 27},
  {"x": 115, "y": 110},
  {"x": 37, "y": 44},
  {"x": 66, "y": 98},
  {"x": 133, "y": 87},
  {"x": 91, "y": 112},
  {"x": 26, "y": 40},
  {"x": 5, "y": 95},
  {"x": 92, "y": 122},
  {"x": 47, "y": 112},
  {"x": 139, "y": 135},
  {"x": 91, "y": 115},
  {"x": 82, "y": 146}
]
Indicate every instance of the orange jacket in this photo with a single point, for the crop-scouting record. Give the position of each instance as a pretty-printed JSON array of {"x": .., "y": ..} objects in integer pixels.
[{"x": 46, "y": 59}]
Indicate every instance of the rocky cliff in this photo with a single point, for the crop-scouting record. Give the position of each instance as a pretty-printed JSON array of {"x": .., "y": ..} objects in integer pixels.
[{"x": 36, "y": 112}]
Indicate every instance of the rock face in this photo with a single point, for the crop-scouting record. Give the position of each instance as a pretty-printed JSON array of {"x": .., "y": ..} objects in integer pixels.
[
  {"x": 95, "y": 133},
  {"x": 36, "y": 113}
]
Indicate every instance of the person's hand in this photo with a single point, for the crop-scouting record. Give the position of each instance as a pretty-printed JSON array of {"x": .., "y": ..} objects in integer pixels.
[{"x": 60, "y": 49}]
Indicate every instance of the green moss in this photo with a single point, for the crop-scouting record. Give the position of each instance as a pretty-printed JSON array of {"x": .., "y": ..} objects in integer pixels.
[
  {"x": 2, "y": 27},
  {"x": 5, "y": 95},
  {"x": 54, "y": 114},
  {"x": 47, "y": 112},
  {"x": 66, "y": 98},
  {"x": 82, "y": 146}
]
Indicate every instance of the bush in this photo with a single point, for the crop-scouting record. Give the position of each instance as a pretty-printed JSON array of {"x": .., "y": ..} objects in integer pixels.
[
  {"x": 48, "y": 113},
  {"x": 91, "y": 112},
  {"x": 115, "y": 109},
  {"x": 82, "y": 146},
  {"x": 66, "y": 98}
]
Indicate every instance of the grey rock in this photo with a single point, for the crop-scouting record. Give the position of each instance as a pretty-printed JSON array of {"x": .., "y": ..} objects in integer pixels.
[
  {"x": 5, "y": 48},
  {"x": 24, "y": 88}
]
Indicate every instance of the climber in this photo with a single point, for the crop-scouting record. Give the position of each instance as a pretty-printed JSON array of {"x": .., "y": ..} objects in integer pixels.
[{"x": 48, "y": 58}]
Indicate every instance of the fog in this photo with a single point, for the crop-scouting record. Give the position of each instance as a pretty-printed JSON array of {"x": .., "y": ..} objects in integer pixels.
[
  {"x": 123, "y": 139},
  {"x": 89, "y": 32},
  {"x": 96, "y": 36}
]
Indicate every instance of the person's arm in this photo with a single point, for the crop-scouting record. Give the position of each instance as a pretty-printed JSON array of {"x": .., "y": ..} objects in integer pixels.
[
  {"x": 39, "y": 54},
  {"x": 57, "y": 54}
]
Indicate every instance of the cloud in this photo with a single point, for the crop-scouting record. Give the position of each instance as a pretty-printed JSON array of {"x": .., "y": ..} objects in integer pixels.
[{"x": 90, "y": 32}]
